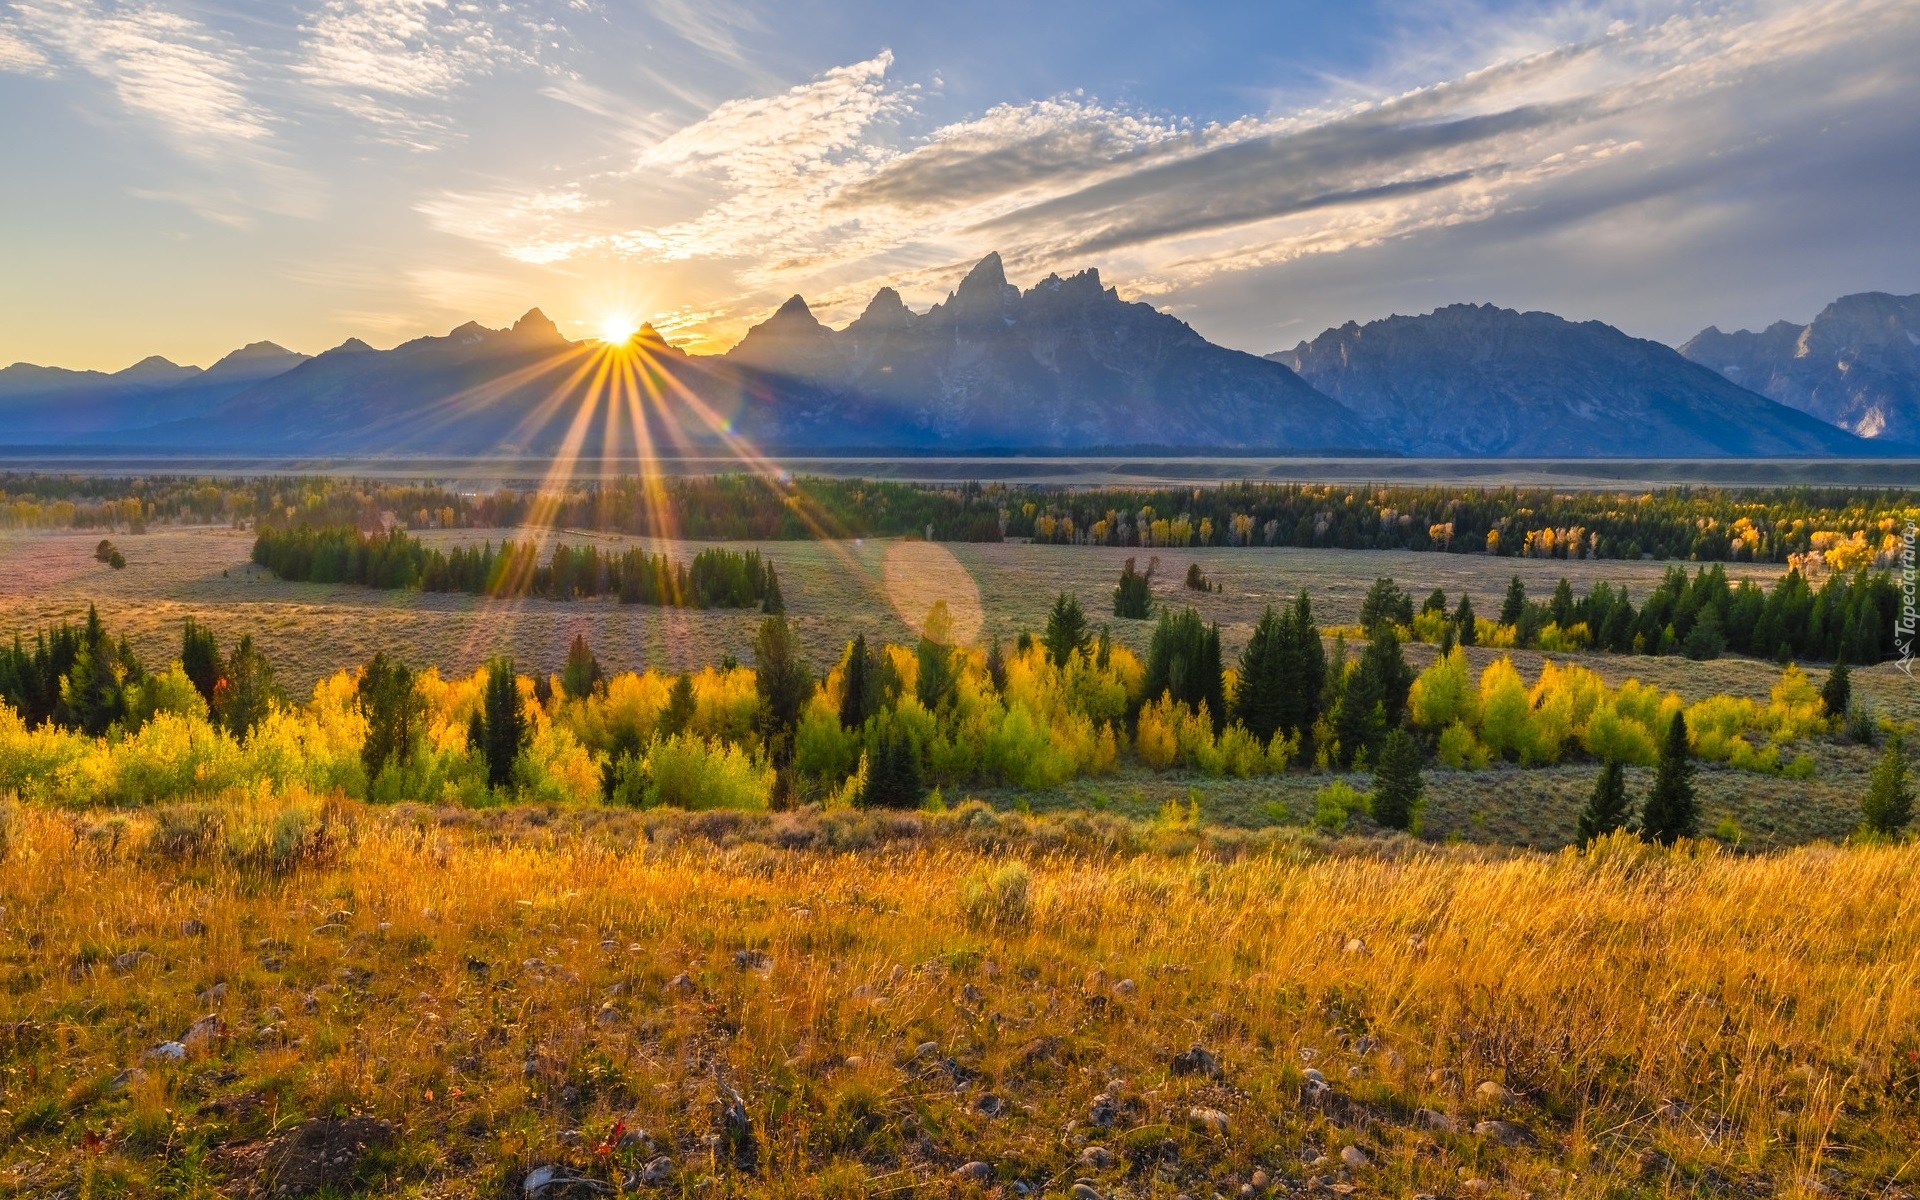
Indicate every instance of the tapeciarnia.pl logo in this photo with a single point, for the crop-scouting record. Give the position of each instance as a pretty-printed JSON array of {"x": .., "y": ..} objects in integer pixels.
[{"x": 1903, "y": 625}]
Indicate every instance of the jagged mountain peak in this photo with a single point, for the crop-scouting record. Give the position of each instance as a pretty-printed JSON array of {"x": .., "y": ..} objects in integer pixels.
[{"x": 535, "y": 325}]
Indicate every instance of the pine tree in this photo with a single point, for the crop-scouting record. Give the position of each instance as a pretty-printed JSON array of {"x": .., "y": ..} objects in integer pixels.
[
  {"x": 1386, "y": 604},
  {"x": 1397, "y": 785},
  {"x": 1607, "y": 808},
  {"x": 246, "y": 692},
  {"x": 582, "y": 670},
  {"x": 1888, "y": 805},
  {"x": 997, "y": 665},
  {"x": 1393, "y": 678},
  {"x": 504, "y": 729},
  {"x": 1463, "y": 620},
  {"x": 1836, "y": 694},
  {"x": 1436, "y": 602},
  {"x": 1066, "y": 629},
  {"x": 677, "y": 716},
  {"x": 200, "y": 659},
  {"x": 1303, "y": 668},
  {"x": 1260, "y": 703},
  {"x": 394, "y": 712},
  {"x": 94, "y": 690},
  {"x": 771, "y": 601},
  {"x": 1133, "y": 598},
  {"x": 1561, "y": 607},
  {"x": 1514, "y": 609},
  {"x": 1359, "y": 717},
  {"x": 1671, "y": 812},
  {"x": 784, "y": 678},
  {"x": 1183, "y": 661},
  {"x": 858, "y": 685}
]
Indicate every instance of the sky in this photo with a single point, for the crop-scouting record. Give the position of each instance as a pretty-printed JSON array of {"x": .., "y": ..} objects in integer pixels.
[{"x": 181, "y": 178}]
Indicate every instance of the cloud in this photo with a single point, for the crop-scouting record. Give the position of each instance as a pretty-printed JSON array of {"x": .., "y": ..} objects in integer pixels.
[
  {"x": 19, "y": 56},
  {"x": 390, "y": 62},
  {"x": 167, "y": 68}
]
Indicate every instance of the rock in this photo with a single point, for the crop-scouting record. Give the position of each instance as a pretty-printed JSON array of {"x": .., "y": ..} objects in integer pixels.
[
  {"x": 680, "y": 985},
  {"x": 1652, "y": 1163},
  {"x": 193, "y": 927},
  {"x": 214, "y": 995},
  {"x": 1356, "y": 946},
  {"x": 1197, "y": 1061},
  {"x": 170, "y": 1051},
  {"x": 1429, "y": 1118},
  {"x": 1494, "y": 1093},
  {"x": 131, "y": 1077},
  {"x": 1672, "y": 1110},
  {"x": 1210, "y": 1119},
  {"x": 975, "y": 1172},
  {"x": 1094, "y": 1158},
  {"x": 608, "y": 1015},
  {"x": 1126, "y": 989},
  {"x": 855, "y": 1062},
  {"x": 752, "y": 960},
  {"x": 657, "y": 1171},
  {"x": 1083, "y": 1190},
  {"x": 1416, "y": 943},
  {"x": 1313, "y": 1075},
  {"x": 1506, "y": 1133},
  {"x": 124, "y": 963},
  {"x": 989, "y": 1105},
  {"x": 1355, "y": 1158},
  {"x": 1260, "y": 1180},
  {"x": 310, "y": 1004},
  {"x": 1104, "y": 1110},
  {"x": 926, "y": 1050},
  {"x": 201, "y": 1032},
  {"x": 1396, "y": 1061},
  {"x": 1478, "y": 1187},
  {"x": 634, "y": 1137}
]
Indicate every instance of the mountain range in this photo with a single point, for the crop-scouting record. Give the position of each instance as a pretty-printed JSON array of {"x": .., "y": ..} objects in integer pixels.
[{"x": 1063, "y": 365}]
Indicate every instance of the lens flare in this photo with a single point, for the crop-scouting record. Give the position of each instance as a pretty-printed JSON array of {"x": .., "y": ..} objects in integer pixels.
[{"x": 617, "y": 329}]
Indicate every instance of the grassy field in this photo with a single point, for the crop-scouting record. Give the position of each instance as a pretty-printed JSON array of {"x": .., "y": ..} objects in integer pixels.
[{"x": 404, "y": 1002}]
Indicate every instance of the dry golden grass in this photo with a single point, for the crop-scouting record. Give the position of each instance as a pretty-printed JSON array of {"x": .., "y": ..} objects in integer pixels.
[{"x": 500, "y": 987}]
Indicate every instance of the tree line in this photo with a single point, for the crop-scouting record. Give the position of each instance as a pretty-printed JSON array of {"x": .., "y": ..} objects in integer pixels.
[{"x": 716, "y": 578}]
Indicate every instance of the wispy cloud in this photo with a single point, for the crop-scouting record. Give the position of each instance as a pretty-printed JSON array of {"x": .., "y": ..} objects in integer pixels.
[
  {"x": 165, "y": 67},
  {"x": 19, "y": 56},
  {"x": 392, "y": 62}
]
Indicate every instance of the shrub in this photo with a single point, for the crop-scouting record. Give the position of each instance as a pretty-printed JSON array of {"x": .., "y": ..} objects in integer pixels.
[
  {"x": 691, "y": 772},
  {"x": 1336, "y": 802},
  {"x": 997, "y": 899}
]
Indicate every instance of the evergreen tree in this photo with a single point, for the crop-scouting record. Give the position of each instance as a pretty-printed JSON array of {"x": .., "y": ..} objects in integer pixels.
[
  {"x": 771, "y": 601},
  {"x": 1393, "y": 678},
  {"x": 1888, "y": 805},
  {"x": 504, "y": 728},
  {"x": 582, "y": 670},
  {"x": 1561, "y": 607},
  {"x": 677, "y": 716},
  {"x": 1359, "y": 716},
  {"x": 1436, "y": 602},
  {"x": 1303, "y": 668},
  {"x": 894, "y": 778},
  {"x": 1133, "y": 598},
  {"x": 1066, "y": 629},
  {"x": 200, "y": 659},
  {"x": 94, "y": 691},
  {"x": 935, "y": 677},
  {"x": 860, "y": 685},
  {"x": 1514, "y": 609},
  {"x": 395, "y": 713},
  {"x": 1607, "y": 808},
  {"x": 1397, "y": 784},
  {"x": 1463, "y": 620},
  {"x": 1385, "y": 604},
  {"x": 1671, "y": 812},
  {"x": 997, "y": 665},
  {"x": 1260, "y": 703},
  {"x": 1183, "y": 661},
  {"x": 784, "y": 678},
  {"x": 1836, "y": 694},
  {"x": 246, "y": 692}
]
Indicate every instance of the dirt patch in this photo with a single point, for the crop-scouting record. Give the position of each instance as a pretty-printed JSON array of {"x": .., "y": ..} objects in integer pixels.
[{"x": 321, "y": 1153}]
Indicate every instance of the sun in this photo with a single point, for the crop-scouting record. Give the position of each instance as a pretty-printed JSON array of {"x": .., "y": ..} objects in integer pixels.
[{"x": 617, "y": 329}]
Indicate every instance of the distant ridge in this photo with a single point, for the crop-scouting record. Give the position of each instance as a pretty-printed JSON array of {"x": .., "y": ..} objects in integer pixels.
[{"x": 1062, "y": 366}]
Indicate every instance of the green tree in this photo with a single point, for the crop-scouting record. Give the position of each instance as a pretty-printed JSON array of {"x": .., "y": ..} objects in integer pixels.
[
  {"x": 1888, "y": 805},
  {"x": 677, "y": 716},
  {"x": 200, "y": 659},
  {"x": 1260, "y": 703},
  {"x": 1183, "y": 661},
  {"x": 1392, "y": 676},
  {"x": 784, "y": 678},
  {"x": 394, "y": 710},
  {"x": 1067, "y": 629},
  {"x": 503, "y": 728},
  {"x": 1463, "y": 620},
  {"x": 582, "y": 670},
  {"x": 1836, "y": 694},
  {"x": 894, "y": 777},
  {"x": 1436, "y": 602},
  {"x": 1397, "y": 785},
  {"x": 1513, "y": 610},
  {"x": 1671, "y": 811},
  {"x": 1359, "y": 717},
  {"x": 771, "y": 601},
  {"x": 1303, "y": 666},
  {"x": 860, "y": 690},
  {"x": 94, "y": 692},
  {"x": 246, "y": 693},
  {"x": 1607, "y": 808},
  {"x": 1387, "y": 604},
  {"x": 1133, "y": 598}
]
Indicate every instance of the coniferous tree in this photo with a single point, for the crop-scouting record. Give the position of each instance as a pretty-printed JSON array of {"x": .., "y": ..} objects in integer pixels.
[
  {"x": 1359, "y": 716},
  {"x": 1463, "y": 620},
  {"x": 1133, "y": 598},
  {"x": 1392, "y": 676},
  {"x": 784, "y": 678},
  {"x": 1183, "y": 661},
  {"x": 996, "y": 665},
  {"x": 1513, "y": 610},
  {"x": 246, "y": 692},
  {"x": 200, "y": 659},
  {"x": 395, "y": 713},
  {"x": 1303, "y": 668},
  {"x": 677, "y": 716},
  {"x": 1607, "y": 808},
  {"x": 1436, "y": 602},
  {"x": 1397, "y": 783},
  {"x": 1836, "y": 694},
  {"x": 582, "y": 670},
  {"x": 860, "y": 686},
  {"x": 1260, "y": 703},
  {"x": 1386, "y": 604},
  {"x": 1066, "y": 629},
  {"x": 1671, "y": 811},
  {"x": 94, "y": 691},
  {"x": 1888, "y": 804},
  {"x": 894, "y": 777},
  {"x": 1561, "y": 607},
  {"x": 504, "y": 728},
  {"x": 771, "y": 601}
]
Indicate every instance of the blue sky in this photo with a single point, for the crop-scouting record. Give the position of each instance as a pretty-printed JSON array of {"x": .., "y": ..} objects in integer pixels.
[{"x": 182, "y": 178}]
